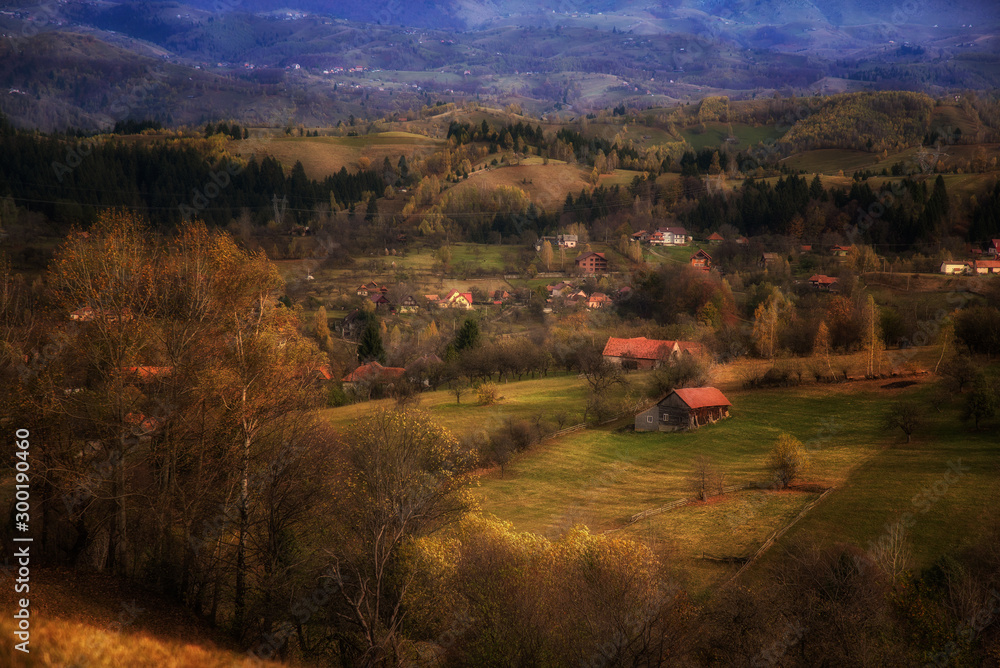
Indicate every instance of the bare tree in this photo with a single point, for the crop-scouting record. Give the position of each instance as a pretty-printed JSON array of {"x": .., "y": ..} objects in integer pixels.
[
  {"x": 903, "y": 415},
  {"x": 705, "y": 479}
]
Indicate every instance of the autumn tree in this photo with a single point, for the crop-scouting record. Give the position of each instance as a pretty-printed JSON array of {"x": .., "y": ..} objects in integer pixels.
[
  {"x": 547, "y": 255},
  {"x": 402, "y": 477},
  {"x": 821, "y": 345},
  {"x": 787, "y": 460},
  {"x": 871, "y": 340}
]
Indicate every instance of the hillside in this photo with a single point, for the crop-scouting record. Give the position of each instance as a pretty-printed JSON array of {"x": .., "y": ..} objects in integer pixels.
[{"x": 88, "y": 619}]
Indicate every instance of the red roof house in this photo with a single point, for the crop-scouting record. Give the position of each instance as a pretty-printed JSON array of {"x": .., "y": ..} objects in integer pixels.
[
  {"x": 643, "y": 353},
  {"x": 686, "y": 408}
]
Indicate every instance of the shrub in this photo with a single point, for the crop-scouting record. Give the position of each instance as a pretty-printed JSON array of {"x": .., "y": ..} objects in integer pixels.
[
  {"x": 488, "y": 394},
  {"x": 787, "y": 460}
]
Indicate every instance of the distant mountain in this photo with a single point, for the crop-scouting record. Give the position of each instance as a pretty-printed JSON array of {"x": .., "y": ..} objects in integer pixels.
[
  {"x": 313, "y": 61},
  {"x": 473, "y": 14}
]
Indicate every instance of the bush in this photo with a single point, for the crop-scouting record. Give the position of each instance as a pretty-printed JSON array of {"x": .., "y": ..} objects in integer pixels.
[
  {"x": 787, "y": 460},
  {"x": 488, "y": 394},
  {"x": 337, "y": 396}
]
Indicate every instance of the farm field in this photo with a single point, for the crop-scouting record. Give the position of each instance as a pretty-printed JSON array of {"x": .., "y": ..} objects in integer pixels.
[
  {"x": 322, "y": 156},
  {"x": 946, "y": 478},
  {"x": 549, "y": 397},
  {"x": 715, "y": 134},
  {"x": 546, "y": 185},
  {"x": 831, "y": 160},
  {"x": 601, "y": 477}
]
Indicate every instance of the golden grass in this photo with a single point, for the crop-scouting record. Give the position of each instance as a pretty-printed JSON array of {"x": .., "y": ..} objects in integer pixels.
[{"x": 546, "y": 185}]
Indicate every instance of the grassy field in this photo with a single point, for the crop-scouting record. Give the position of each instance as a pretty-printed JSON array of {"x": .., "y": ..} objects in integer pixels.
[
  {"x": 715, "y": 134},
  {"x": 830, "y": 160},
  {"x": 946, "y": 478},
  {"x": 87, "y": 619},
  {"x": 322, "y": 156},
  {"x": 546, "y": 185},
  {"x": 601, "y": 477},
  {"x": 545, "y": 397}
]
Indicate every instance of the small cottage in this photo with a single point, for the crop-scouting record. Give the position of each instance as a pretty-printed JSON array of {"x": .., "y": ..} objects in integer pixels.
[{"x": 686, "y": 408}]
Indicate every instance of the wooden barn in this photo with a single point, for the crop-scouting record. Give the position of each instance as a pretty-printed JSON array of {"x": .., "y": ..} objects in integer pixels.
[{"x": 687, "y": 408}]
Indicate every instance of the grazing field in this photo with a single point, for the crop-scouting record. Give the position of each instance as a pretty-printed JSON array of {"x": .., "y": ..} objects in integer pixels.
[
  {"x": 831, "y": 160},
  {"x": 546, "y": 185},
  {"x": 551, "y": 397},
  {"x": 322, "y": 156},
  {"x": 946, "y": 478},
  {"x": 602, "y": 477},
  {"x": 715, "y": 134}
]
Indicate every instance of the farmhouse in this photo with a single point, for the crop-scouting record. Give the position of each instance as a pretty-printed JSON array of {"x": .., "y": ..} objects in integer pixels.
[
  {"x": 643, "y": 353},
  {"x": 598, "y": 300},
  {"x": 822, "y": 282},
  {"x": 701, "y": 260},
  {"x": 592, "y": 263},
  {"x": 954, "y": 267},
  {"x": 456, "y": 299},
  {"x": 408, "y": 304},
  {"x": 373, "y": 372},
  {"x": 669, "y": 236},
  {"x": 687, "y": 408},
  {"x": 370, "y": 288},
  {"x": 767, "y": 259},
  {"x": 567, "y": 240},
  {"x": 840, "y": 251},
  {"x": 986, "y": 266}
]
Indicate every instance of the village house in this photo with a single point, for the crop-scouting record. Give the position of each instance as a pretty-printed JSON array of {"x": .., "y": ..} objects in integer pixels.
[
  {"x": 687, "y": 408},
  {"x": 954, "y": 267},
  {"x": 408, "y": 304},
  {"x": 643, "y": 353},
  {"x": 767, "y": 259},
  {"x": 598, "y": 300},
  {"x": 822, "y": 282},
  {"x": 352, "y": 324},
  {"x": 994, "y": 247},
  {"x": 379, "y": 300},
  {"x": 433, "y": 300},
  {"x": 669, "y": 236},
  {"x": 541, "y": 242},
  {"x": 986, "y": 266},
  {"x": 372, "y": 373},
  {"x": 370, "y": 288},
  {"x": 840, "y": 251},
  {"x": 701, "y": 260},
  {"x": 567, "y": 240},
  {"x": 715, "y": 238},
  {"x": 559, "y": 289},
  {"x": 500, "y": 296},
  {"x": 742, "y": 241},
  {"x": 641, "y": 235},
  {"x": 456, "y": 299},
  {"x": 592, "y": 264}
]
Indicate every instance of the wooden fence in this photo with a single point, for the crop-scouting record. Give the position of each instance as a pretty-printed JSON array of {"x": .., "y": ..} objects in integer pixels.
[{"x": 778, "y": 534}]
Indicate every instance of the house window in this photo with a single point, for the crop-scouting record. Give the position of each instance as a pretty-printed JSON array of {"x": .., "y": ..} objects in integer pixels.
[{"x": 649, "y": 418}]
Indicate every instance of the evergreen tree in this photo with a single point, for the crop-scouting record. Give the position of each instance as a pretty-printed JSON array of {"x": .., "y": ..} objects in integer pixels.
[
  {"x": 468, "y": 335},
  {"x": 370, "y": 345}
]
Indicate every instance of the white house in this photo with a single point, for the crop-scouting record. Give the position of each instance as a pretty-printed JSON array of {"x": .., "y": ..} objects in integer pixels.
[
  {"x": 954, "y": 267},
  {"x": 669, "y": 236}
]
